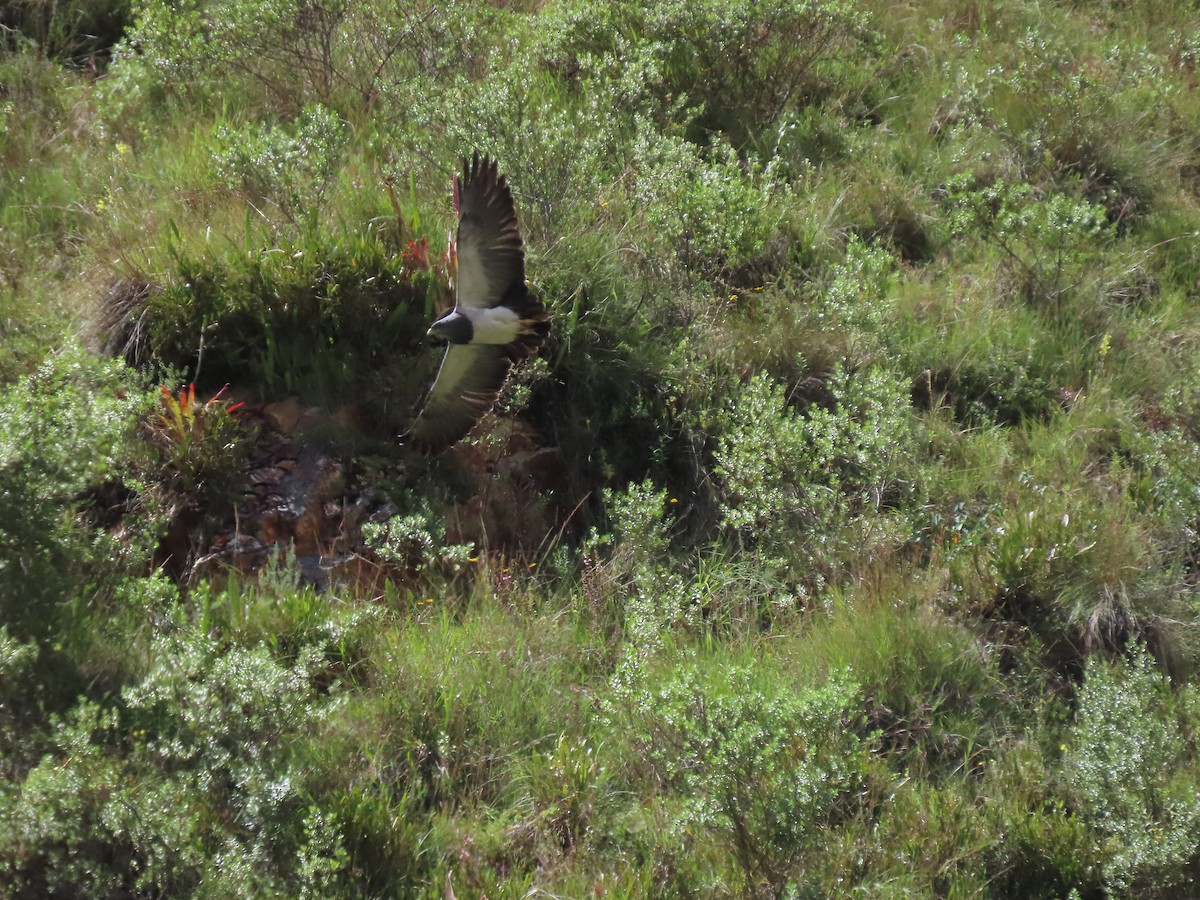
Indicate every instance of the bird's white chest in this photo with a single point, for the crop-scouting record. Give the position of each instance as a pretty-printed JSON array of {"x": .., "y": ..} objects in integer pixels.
[{"x": 499, "y": 325}]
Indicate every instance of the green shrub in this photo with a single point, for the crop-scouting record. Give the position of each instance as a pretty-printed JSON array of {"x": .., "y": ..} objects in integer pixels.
[
  {"x": 416, "y": 544},
  {"x": 1050, "y": 238},
  {"x": 1131, "y": 767},
  {"x": 19, "y": 700},
  {"x": 229, "y": 716},
  {"x": 857, "y": 301},
  {"x": 67, "y": 439},
  {"x": 1001, "y": 391},
  {"x": 742, "y": 64},
  {"x": 278, "y": 610},
  {"x": 560, "y": 154},
  {"x": 783, "y": 473},
  {"x": 767, "y": 765},
  {"x": 431, "y": 765},
  {"x": 1077, "y": 116},
  {"x": 637, "y": 546},
  {"x": 632, "y": 581},
  {"x": 703, "y": 207},
  {"x": 331, "y": 320},
  {"x": 180, "y": 46},
  {"x": 192, "y": 787},
  {"x": 78, "y": 826},
  {"x": 1168, "y": 454},
  {"x": 202, "y": 447},
  {"x": 289, "y": 167},
  {"x": 291, "y": 52},
  {"x": 1038, "y": 846},
  {"x": 578, "y": 112},
  {"x": 25, "y": 334}
]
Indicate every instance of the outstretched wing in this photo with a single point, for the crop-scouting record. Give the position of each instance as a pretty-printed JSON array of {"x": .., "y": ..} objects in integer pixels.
[
  {"x": 466, "y": 386},
  {"x": 490, "y": 272},
  {"x": 491, "y": 255}
]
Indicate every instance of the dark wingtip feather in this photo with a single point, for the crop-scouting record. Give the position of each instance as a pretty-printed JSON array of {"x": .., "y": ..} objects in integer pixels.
[
  {"x": 422, "y": 448},
  {"x": 480, "y": 167},
  {"x": 436, "y": 444}
]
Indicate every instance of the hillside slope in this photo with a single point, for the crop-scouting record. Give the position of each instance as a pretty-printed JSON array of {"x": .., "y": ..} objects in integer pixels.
[{"x": 842, "y": 541}]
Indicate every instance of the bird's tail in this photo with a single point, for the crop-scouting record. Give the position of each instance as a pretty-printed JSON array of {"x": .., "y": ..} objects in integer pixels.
[{"x": 535, "y": 322}]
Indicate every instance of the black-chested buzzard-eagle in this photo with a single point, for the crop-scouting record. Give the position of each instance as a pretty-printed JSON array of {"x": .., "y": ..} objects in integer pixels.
[{"x": 495, "y": 322}]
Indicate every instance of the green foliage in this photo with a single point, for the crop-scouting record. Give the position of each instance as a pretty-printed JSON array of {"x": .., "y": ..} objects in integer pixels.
[
  {"x": 67, "y": 437},
  {"x": 202, "y": 448},
  {"x": 293, "y": 51},
  {"x": 1049, "y": 110},
  {"x": 631, "y": 577},
  {"x": 566, "y": 784},
  {"x": 857, "y": 302},
  {"x": 41, "y": 182},
  {"x": 999, "y": 391},
  {"x": 703, "y": 207},
  {"x": 640, "y": 533},
  {"x": 286, "y": 320},
  {"x": 561, "y": 153},
  {"x": 578, "y": 111},
  {"x": 211, "y": 797},
  {"x": 873, "y": 352},
  {"x": 1131, "y": 765},
  {"x": 276, "y": 610},
  {"x": 934, "y": 697},
  {"x": 742, "y": 64},
  {"x": 227, "y": 715},
  {"x": 23, "y": 339},
  {"x": 1051, "y": 239},
  {"x": 1068, "y": 567},
  {"x": 289, "y": 167},
  {"x": 457, "y": 707},
  {"x": 416, "y": 544},
  {"x": 767, "y": 765},
  {"x": 1168, "y": 452},
  {"x": 817, "y": 472},
  {"x": 18, "y": 703}
]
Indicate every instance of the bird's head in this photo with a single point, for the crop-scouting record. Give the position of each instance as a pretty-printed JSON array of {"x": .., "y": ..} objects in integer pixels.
[{"x": 454, "y": 328}]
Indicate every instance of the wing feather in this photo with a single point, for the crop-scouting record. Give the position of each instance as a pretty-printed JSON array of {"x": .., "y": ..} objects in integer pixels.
[
  {"x": 467, "y": 384},
  {"x": 491, "y": 254},
  {"x": 489, "y": 271}
]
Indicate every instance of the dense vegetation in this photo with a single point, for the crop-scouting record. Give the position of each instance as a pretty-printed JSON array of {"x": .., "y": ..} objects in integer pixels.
[{"x": 866, "y": 559}]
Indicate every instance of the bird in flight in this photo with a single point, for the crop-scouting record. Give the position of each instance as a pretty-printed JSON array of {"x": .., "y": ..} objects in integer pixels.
[{"x": 495, "y": 322}]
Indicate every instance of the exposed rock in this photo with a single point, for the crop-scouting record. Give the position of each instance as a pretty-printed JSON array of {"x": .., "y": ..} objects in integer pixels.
[
  {"x": 288, "y": 416},
  {"x": 296, "y": 498},
  {"x": 520, "y": 493}
]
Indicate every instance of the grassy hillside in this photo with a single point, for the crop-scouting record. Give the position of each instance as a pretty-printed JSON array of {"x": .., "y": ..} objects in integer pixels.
[{"x": 843, "y": 540}]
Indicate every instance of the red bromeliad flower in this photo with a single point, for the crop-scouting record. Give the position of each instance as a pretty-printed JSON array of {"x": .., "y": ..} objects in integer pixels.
[
  {"x": 217, "y": 398},
  {"x": 416, "y": 254},
  {"x": 179, "y": 415}
]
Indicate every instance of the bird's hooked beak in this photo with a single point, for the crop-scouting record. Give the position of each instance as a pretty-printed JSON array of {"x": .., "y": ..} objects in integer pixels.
[{"x": 453, "y": 328}]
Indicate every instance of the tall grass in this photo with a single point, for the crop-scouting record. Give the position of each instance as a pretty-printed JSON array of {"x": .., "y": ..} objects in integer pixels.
[{"x": 863, "y": 452}]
